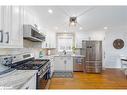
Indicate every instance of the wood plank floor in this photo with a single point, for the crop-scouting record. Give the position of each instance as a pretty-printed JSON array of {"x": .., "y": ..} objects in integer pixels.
[{"x": 109, "y": 79}]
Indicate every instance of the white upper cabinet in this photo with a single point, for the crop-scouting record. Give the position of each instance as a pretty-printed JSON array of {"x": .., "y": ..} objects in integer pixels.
[
  {"x": 5, "y": 26},
  {"x": 50, "y": 41},
  {"x": 79, "y": 37},
  {"x": 11, "y": 26},
  {"x": 30, "y": 18},
  {"x": 17, "y": 27}
]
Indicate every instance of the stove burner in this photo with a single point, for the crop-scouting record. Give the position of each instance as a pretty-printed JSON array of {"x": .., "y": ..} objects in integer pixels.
[{"x": 30, "y": 65}]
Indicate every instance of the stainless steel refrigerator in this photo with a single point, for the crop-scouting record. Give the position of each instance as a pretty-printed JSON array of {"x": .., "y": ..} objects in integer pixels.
[{"x": 92, "y": 50}]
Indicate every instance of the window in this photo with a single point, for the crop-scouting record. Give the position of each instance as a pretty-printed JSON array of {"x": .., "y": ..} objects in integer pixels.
[{"x": 64, "y": 42}]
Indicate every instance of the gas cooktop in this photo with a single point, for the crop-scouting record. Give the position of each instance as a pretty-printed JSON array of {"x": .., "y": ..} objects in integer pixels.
[{"x": 29, "y": 65}]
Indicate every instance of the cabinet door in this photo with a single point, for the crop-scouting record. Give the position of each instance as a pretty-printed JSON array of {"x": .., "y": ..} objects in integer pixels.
[
  {"x": 69, "y": 64},
  {"x": 1, "y": 25},
  {"x": 31, "y": 84},
  {"x": 52, "y": 66},
  {"x": 59, "y": 64},
  {"x": 6, "y": 27},
  {"x": 52, "y": 39},
  {"x": 1, "y": 17},
  {"x": 17, "y": 26}
]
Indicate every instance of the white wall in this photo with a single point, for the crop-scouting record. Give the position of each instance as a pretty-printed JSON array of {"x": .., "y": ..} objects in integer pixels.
[{"x": 112, "y": 55}]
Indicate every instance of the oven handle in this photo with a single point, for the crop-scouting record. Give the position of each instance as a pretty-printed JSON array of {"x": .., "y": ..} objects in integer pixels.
[{"x": 42, "y": 74}]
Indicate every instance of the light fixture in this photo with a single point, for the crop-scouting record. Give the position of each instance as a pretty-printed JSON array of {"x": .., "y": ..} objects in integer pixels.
[
  {"x": 105, "y": 28},
  {"x": 80, "y": 28},
  {"x": 73, "y": 21},
  {"x": 50, "y": 11}
]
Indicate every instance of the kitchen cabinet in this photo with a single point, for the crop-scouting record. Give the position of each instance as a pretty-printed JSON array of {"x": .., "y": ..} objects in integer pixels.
[
  {"x": 5, "y": 12},
  {"x": 17, "y": 27},
  {"x": 31, "y": 84},
  {"x": 11, "y": 26},
  {"x": 30, "y": 18},
  {"x": 52, "y": 66},
  {"x": 63, "y": 63},
  {"x": 79, "y": 37},
  {"x": 1, "y": 18},
  {"x": 50, "y": 41}
]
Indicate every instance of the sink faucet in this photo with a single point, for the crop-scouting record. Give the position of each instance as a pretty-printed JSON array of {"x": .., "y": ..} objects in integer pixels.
[{"x": 64, "y": 52}]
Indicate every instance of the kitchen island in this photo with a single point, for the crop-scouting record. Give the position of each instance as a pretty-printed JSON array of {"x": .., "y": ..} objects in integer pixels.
[{"x": 64, "y": 62}]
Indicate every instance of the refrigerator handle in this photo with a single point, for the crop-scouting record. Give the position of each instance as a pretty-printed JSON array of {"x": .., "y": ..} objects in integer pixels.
[{"x": 104, "y": 54}]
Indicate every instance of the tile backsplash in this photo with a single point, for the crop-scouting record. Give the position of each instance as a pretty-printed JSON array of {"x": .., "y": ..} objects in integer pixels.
[{"x": 34, "y": 51}]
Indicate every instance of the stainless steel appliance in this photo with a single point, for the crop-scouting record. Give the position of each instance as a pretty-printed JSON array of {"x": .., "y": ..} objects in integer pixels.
[
  {"x": 27, "y": 62},
  {"x": 32, "y": 33},
  {"x": 78, "y": 63},
  {"x": 93, "y": 56}
]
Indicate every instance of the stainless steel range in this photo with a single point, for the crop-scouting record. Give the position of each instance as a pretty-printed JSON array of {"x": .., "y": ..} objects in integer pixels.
[{"x": 28, "y": 62}]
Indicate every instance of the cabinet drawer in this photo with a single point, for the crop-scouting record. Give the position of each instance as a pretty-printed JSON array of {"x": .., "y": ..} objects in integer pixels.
[
  {"x": 78, "y": 67},
  {"x": 94, "y": 71}
]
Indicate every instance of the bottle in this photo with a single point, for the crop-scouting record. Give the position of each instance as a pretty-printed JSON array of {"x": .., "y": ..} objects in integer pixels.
[{"x": 40, "y": 54}]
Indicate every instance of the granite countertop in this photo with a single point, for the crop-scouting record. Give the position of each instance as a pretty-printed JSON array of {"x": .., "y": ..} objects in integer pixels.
[
  {"x": 73, "y": 55},
  {"x": 51, "y": 56},
  {"x": 16, "y": 79}
]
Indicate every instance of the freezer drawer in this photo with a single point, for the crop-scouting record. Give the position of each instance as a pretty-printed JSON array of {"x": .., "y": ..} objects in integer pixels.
[{"x": 93, "y": 66}]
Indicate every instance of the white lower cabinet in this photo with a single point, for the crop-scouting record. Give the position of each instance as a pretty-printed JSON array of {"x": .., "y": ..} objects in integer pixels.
[
  {"x": 52, "y": 66},
  {"x": 63, "y": 64},
  {"x": 31, "y": 84}
]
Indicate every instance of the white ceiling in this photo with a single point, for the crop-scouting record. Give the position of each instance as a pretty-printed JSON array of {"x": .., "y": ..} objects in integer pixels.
[{"x": 93, "y": 17}]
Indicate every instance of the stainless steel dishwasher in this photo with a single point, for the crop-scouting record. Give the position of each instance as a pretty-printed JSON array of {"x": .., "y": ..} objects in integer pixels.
[{"x": 78, "y": 63}]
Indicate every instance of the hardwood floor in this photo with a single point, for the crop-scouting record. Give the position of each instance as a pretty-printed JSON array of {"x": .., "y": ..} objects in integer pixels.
[{"x": 109, "y": 79}]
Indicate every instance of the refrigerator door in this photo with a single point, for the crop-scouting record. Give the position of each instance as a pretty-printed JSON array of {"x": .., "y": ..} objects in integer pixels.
[
  {"x": 93, "y": 50},
  {"x": 83, "y": 50}
]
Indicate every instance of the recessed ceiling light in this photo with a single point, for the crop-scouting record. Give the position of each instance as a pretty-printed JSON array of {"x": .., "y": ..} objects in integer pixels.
[
  {"x": 105, "y": 28},
  {"x": 56, "y": 28},
  {"x": 50, "y": 11},
  {"x": 80, "y": 28}
]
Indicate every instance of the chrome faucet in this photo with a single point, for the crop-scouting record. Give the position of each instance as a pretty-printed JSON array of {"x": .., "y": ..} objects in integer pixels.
[{"x": 64, "y": 52}]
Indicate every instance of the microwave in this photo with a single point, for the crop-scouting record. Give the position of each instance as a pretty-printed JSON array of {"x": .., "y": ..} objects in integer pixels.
[{"x": 32, "y": 33}]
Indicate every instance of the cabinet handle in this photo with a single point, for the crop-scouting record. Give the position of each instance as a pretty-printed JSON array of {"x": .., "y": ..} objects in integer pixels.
[
  {"x": 46, "y": 45},
  {"x": 1, "y": 40},
  {"x": 7, "y": 33},
  {"x": 27, "y": 88},
  {"x": 65, "y": 61}
]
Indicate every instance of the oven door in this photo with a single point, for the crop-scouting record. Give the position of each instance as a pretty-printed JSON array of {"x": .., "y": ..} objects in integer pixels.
[{"x": 43, "y": 79}]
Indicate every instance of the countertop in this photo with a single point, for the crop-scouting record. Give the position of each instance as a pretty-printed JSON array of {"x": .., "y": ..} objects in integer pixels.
[
  {"x": 51, "y": 56},
  {"x": 16, "y": 79}
]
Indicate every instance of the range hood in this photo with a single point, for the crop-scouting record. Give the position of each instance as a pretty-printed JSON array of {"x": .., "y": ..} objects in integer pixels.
[{"x": 31, "y": 33}]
